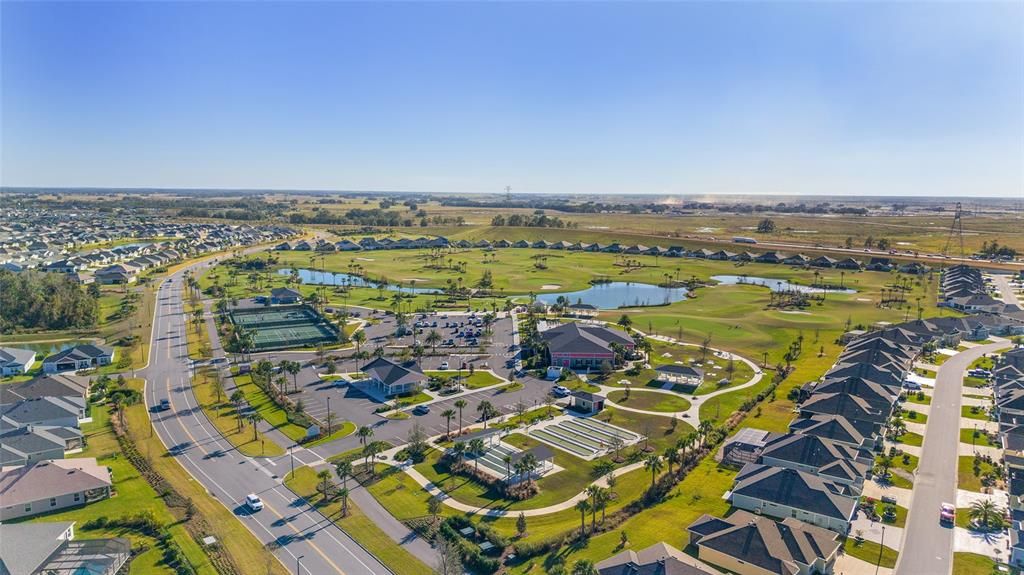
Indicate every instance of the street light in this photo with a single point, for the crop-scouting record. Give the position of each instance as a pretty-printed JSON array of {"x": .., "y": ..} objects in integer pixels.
[
  {"x": 881, "y": 547},
  {"x": 298, "y": 564},
  {"x": 291, "y": 452}
]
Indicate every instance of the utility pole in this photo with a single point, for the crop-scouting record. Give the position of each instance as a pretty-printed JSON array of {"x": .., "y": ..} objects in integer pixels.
[
  {"x": 956, "y": 228},
  {"x": 508, "y": 194}
]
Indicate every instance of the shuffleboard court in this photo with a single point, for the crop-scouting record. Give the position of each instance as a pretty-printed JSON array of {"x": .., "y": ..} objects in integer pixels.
[{"x": 282, "y": 327}]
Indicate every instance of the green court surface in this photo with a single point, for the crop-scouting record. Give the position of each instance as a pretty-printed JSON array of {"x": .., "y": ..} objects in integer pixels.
[{"x": 285, "y": 326}]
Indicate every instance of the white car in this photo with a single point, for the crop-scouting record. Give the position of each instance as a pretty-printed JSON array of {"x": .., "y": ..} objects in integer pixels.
[
  {"x": 560, "y": 391},
  {"x": 444, "y": 365},
  {"x": 253, "y": 502}
]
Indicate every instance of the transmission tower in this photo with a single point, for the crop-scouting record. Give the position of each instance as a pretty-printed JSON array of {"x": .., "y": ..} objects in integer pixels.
[
  {"x": 957, "y": 229},
  {"x": 508, "y": 193}
]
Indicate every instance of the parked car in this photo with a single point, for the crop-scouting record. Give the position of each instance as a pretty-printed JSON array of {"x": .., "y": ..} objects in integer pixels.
[
  {"x": 421, "y": 409},
  {"x": 444, "y": 365},
  {"x": 947, "y": 513},
  {"x": 560, "y": 391},
  {"x": 253, "y": 502}
]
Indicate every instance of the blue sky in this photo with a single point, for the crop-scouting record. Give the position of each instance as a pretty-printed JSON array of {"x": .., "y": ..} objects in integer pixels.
[{"x": 689, "y": 98}]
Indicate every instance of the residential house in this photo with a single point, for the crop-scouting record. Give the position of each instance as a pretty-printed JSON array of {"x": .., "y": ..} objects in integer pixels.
[
  {"x": 749, "y": 544},
  {"x": 51, "y": 411},
  {"x": 32, "y": 443},
  {"x": 51, "y": 485},
  {"x": 658, "y": 559},
  {"x": 16, "y": 361},
  {"x": 50, "y": 548},
  {"x": 84, "y": 356},
  {"x": 783, "y": 493},
  {"x": 828, "y": 459}
]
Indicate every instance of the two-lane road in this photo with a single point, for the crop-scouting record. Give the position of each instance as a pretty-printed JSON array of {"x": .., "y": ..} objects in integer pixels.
[
  {"x": 928, "y": 545},
  {"x": 305, "y": 541}
]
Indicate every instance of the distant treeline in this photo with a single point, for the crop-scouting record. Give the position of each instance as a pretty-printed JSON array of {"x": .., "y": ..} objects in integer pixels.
[
  {"x": 534, "y": 221},
  {"x": 38, "y": 300}
]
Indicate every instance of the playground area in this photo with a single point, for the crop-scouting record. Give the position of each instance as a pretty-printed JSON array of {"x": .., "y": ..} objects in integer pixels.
[{"x": 282, "y": 327}]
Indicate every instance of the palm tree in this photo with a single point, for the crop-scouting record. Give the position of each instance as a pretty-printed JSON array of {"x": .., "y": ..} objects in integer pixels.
[
  {"x": 325, "y": 480},
  {"x": 476, "y": 447},
  {"x": 486, "y": 410},
  {"x": 343, "y": 493},
  {"x": 344, "y": 469},
  {"x": 654, "y": 464},
  {"x": 433, "y": 338},
  {"x": 458, "y": 450},
  {"x": 359, "y": 337},
  {"x": 254, "y": 418},
  {"x": 593, "y": 491},
  {"x": 884, "y": 464},
  {"x": 671, "y": 457},
  {"x": 584, "y": 567},
  {"x": 293, "y": 368},
  {"x": 237, "y": 398},
  {"x": 448, "y": 414},
  {"x": 460, "y": 404},
  {"x": 986, "y": 514},
  {"x": 364, "y": 433},
  {"x": 583, "y": 506},
  {"x": 508, "y": 466}
]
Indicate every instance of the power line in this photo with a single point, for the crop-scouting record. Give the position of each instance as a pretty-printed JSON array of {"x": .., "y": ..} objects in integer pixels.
[{"x": 957, "y": 228}]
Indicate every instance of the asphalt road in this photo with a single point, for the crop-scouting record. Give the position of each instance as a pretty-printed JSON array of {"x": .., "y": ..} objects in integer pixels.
[
  {"x": 928, "y": 546},
  {"x": 1005, "y": 289},
  {"x": 307, "y": 542}
]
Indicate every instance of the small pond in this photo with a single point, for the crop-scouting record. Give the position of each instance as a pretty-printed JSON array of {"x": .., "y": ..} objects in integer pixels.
[
  {"x": 774, "y": 284},
  {"x": 315, "y": 277},
  {"x": 619, "y": 294}
]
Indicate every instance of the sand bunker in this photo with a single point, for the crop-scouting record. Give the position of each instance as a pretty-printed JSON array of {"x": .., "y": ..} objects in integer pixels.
[
  {"x": 550, "y": 286},
  {"x": 863, "y": 299},
  {"x": 364, "y": 259},
  {"x": 795, "y": 312}
]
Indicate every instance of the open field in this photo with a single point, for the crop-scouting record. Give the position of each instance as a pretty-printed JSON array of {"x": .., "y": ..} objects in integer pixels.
[
  {"x": 649, "y": 401},
  {"x": 224, "y": 415}
]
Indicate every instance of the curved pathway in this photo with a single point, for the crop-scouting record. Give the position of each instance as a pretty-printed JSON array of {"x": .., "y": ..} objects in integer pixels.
[
  {"x": 693, "y": 412},
  {"x": 488, "y": 512}
]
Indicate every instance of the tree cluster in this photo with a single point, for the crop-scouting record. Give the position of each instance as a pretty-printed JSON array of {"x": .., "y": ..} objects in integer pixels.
[{"x": 37, "y": 300}]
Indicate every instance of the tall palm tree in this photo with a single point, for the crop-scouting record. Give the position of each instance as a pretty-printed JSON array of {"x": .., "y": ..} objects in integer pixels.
[
  {"x": 986, "y": 514},
  {"x": 325, "y": 481},
  {"x": 343, "y": 494},
  {"x": 654, "y": 464},
  {"x": 476, "y": 447},
  {"x": 460, "y": 404},
  {"x": 364, "y": 433},
  {"x": 344, "y": 469},
  {"x": 448, "y": 414},
  {"x": 593, "y": 491},
  {"x": 584, "y": 567},
  {"x": 583, "y": 506}
]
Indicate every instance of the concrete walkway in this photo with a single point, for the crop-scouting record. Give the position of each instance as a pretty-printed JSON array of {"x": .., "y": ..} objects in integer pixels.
[{"x": 1006, "y": 291}]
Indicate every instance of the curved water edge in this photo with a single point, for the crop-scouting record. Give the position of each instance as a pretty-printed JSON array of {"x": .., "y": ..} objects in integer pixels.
[
  {"x": 614, "y": 295},
  {"x": 316, "y": 277},
  {"x": 776, "y": 285}
]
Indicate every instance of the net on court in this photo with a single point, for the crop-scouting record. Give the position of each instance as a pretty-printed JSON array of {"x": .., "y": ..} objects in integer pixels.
[{"x": 285, "y": 326}]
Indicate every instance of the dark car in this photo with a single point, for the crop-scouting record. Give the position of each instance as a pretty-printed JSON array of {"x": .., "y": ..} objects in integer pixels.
[
  {"x": 164, "y": 405},
  {"x": 421, "y": 409}
]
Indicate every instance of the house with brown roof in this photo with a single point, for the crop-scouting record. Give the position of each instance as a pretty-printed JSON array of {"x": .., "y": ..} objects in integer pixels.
[
  {"x": 51, "y": 485},
  {"x": 749, "y": 544},
  {"x": 658, "y": 559}
]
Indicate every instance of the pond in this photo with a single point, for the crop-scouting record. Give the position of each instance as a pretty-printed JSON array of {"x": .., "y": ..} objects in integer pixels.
[
  {"x": 775, "y": 284},
  {"x": 315, "y": 277},
  {"x": 44, "y": 349},
  {"x": 619, "y": 294}
]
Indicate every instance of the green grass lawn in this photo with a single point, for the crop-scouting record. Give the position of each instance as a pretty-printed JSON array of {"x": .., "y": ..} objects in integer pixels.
[
  {"x": 966, "y": 476},
  {"x": 554, "y": 488},
  {"x": 357, "y": 525},
  {"x": 978, "y": 437},
  {"x": 924, "y": 372},
  {"x": 973, "y": 564},
  {"x": 222, "y": 414},
  {"x": 901, "y": 513},
  {"x": 133, "y": 495},
  {"x": 531, "y": 417},
  {"x": 911, "y": 438},
  {"x": 663, "y": 353},
  {"x": 871, "y": 552},
  {"x": 661, "y": 431},
  {"x": 975, "y": 382},
  {"x": 914, "y": 416},
  {"x": 344, "y": 429},
  {"x": 974, "y": 412},
  {"x": 650, "y": 401},
  {"x": 901, "y": 473},
  {"x": 478, "y": 380},
  {"x": 919, "y": 398}
]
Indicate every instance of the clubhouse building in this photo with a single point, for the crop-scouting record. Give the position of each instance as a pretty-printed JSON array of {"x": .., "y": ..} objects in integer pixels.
[{"x": 579, "y": 346}]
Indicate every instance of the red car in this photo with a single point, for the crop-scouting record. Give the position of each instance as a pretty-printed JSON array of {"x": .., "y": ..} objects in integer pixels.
[{"x": 947, "y": 513}]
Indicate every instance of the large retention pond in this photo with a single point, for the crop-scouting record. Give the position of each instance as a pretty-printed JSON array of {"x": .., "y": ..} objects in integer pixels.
[
  {"x": 619, "y": 294},
  {"x": 775, "y": 284},
  {"x": 314, "y": 277}
]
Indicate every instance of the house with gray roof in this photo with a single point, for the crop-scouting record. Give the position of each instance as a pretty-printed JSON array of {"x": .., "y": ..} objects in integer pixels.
[
  {"x": 49, "y": 410},
  {"x": 782, "y": 493},
  {"x": 658, "y": 559},
  {"x": 51, "y": 548},
  {"x": 51, "y": 485},
  {"x": 826, "y": 458},
  {"x": 579, "y": 346},
  {"x": 389, "y": 378},
  {"x": 57, "y": 385},
  {"x": 84, "y": 356},
  {"x": 749, "y": 544},
  {"x": 32, "y": 443},
  {"x": 16, "y": 361}
]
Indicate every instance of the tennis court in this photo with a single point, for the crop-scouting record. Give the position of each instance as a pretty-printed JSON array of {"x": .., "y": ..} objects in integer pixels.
[{"x": 285, "y": 326}]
